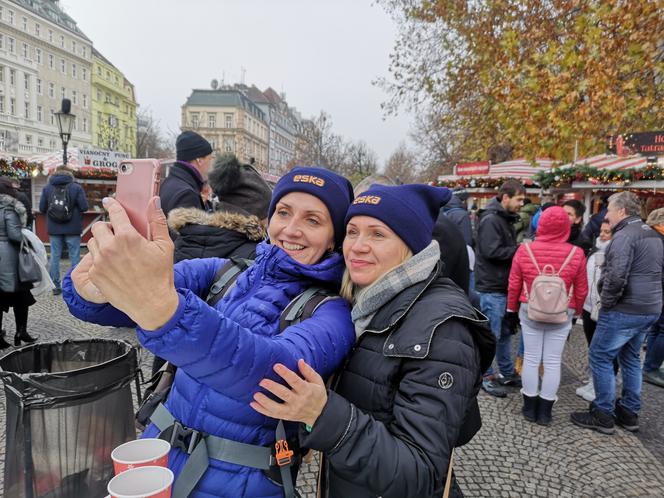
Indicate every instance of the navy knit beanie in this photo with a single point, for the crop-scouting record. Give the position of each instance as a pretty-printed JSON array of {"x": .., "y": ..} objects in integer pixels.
[
  {"x": 409, "y": 210},
  {"x": 190, "y": 145},
  {"x": 335, "y": 191}
]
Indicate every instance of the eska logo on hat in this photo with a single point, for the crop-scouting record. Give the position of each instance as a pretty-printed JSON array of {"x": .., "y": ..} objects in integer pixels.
[
  {"x": 319, "y": 182},
  {"x": 367, "y": 199}
]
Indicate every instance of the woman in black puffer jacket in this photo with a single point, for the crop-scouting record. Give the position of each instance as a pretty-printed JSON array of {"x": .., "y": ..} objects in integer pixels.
[
  {"x": 407, "y": 395},
  {"x": 239, "y": 220}
]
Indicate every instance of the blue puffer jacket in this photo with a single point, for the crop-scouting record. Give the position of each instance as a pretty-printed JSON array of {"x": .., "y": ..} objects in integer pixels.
[{"x": 223, "y": 353}]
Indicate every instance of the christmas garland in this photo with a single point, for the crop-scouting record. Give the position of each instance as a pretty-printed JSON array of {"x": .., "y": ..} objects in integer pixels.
[
  {"x": 475, "y": 182},
  {"x": 558, "y": 177},
  {"x": 19, "y": 168}
]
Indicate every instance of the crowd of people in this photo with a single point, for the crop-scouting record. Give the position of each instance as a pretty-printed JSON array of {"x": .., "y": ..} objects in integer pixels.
[{"x": 361, "y": 323}]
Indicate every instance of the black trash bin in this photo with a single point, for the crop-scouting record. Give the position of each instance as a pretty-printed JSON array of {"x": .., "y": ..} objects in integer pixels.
[{"x": 69, "y": 404}]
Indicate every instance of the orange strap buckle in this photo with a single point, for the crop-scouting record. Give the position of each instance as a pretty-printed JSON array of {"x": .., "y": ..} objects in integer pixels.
[{"x": 283, "y": 455}]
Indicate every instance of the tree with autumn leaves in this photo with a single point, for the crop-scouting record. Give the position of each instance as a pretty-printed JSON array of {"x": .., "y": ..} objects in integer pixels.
[{"x": 535, "y": 76}]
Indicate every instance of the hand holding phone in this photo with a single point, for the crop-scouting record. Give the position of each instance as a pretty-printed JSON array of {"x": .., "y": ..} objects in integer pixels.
[{"x": 138, "y": 183}]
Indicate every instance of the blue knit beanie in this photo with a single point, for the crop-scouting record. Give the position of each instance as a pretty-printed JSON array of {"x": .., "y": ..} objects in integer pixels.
[
  {"x": 335, "y": 191},
  {"x": 409, "y": 210}
]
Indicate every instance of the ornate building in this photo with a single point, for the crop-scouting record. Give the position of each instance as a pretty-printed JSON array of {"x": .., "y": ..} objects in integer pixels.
[
  {"x": 44, "y": 57},
  {"x": 114, "y": 121}
]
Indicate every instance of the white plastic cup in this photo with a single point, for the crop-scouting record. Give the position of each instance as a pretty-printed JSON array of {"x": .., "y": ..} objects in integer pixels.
[
  {"x": 148, "y": 452},
  {"x": 142, "y": 482}
]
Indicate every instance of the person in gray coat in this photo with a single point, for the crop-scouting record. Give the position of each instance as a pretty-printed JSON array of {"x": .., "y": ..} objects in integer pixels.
[
  {"x": 13, "y": 293},
  {"x": 631, "y": 302}
]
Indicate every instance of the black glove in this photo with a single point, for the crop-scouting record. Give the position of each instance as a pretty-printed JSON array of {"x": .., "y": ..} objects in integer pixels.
[{"x": 511, "y": 320}]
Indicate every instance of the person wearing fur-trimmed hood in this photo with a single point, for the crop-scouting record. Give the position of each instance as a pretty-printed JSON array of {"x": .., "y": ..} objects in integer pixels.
[{"x": 238, "y": 223}]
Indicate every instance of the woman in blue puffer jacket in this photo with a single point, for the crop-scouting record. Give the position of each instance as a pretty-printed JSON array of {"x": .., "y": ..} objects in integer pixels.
[{"x": 222, "y": 352}]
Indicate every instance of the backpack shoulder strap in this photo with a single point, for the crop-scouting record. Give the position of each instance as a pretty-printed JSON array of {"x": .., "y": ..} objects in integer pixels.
[
  {"x": 532, "y": 256},
  {"x": 225, "y": 278},
  {"x": 567, "y": 260},
  {"x": 303, "y": 306}
]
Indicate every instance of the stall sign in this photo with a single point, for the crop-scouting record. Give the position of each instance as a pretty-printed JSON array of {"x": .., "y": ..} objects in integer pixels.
[
  {"x": 94, "y": 158},
  {"x": 650, "y": 143},
  {"x": 472, "y": 169}
]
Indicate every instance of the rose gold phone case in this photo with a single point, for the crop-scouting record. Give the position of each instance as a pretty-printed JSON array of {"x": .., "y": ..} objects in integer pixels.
[{"x": 138, "y": 183}]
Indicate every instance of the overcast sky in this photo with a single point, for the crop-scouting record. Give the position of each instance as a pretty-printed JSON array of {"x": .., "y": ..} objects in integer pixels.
[{"x": 323, "y": 54}]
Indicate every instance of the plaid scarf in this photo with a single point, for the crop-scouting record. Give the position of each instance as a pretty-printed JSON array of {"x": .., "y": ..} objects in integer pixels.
[{"x": 370, "y": 299}]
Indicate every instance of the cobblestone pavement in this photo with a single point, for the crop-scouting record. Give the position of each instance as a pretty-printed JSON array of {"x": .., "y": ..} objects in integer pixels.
[{"x": 509, "y": 457}]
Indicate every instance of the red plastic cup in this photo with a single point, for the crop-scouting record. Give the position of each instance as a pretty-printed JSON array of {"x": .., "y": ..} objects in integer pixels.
[
  {"x": 142, "y": 482},
  {"x": 140, "y": 453}
]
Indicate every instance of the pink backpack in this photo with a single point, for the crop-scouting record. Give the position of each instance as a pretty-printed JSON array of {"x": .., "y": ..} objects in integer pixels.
[{"x": 548, "y": 300}]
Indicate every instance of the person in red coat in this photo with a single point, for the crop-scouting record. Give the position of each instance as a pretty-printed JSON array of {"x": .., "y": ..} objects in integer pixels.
[{"x": 545, "y": 342}]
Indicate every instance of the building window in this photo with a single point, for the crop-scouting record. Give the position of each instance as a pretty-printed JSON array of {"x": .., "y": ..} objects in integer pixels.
[
  {"x": 11, "y": 45},
  {"x": 98, "y": 96},
  {"x": 2, "y": 74},
  {"x": 98, "y": 70},
  {"x": 39, "y": 87},
  {"x": 2, "y": 41},
  {"x": 63, "y": 93},
  {"x": 26, "y": 82},
  {"x": 212, "y": 121},
  {"x": 194, "y": 120},
  {"x": 26, "y": 51},
  {"x": 51, "y": 60},
  {"x": 12, "y": 77},
  {"x": 37, "y": 29},
  {"x": 85, "y": 101},
  {"x": 85, "y": 52},
  {"x": 108, "y": 75},
  {"x": 99, "y": 118},
  {"x": 229, "y": 120},
  {"x": 76, "y": 124},
  {"x": 51, "y": 90},
  {"x": 63, "y": 66},
  {"x": 228, "y": 144},
  {"x": 26, "y": 109},
  {"x": 84, "y": 74},
  {"x": 73, "y": 47},
  {"x": 74, "y": 97},
  {"x": 62, "y": 41},
  {"x": 85, "y": 125},
  {"x": 40, "y": 113},
  {"x": 40, "y": 142},
  {"x": 50, "y": 35},
  {"x": 24, "y": 23},
  {"x": 2, "y": 104},
  {"x": 38, "y": 55},
  {"x": 12, "y": 106},
  {"x": 28, "y": 139},
  {"x": 73, "y": 70},
  {"x": 51, "y": 143},
  {"x": 11, "y": 17}
]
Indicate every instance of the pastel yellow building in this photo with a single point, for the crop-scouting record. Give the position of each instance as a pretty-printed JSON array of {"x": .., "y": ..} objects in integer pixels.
[{"x": 114, "y": 106}]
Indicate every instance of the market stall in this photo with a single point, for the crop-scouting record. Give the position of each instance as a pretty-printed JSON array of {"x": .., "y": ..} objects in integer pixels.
[
  {"x": 95, "y": 170},
  {"x": 483, "y": 179},
  {"x": 592, "y": 179}
]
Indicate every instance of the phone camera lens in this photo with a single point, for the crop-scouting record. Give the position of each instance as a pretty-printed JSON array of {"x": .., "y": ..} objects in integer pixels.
[{"x": 123, "y": 168}]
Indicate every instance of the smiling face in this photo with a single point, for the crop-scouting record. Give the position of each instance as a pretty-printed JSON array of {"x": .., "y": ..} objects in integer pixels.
[
  {"x": 301, "y": 225},
  {"x": 371, "y": 249}
]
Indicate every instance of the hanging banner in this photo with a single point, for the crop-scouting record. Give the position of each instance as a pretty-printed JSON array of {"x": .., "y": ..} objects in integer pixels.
[
  {"x": 94, "y": 158},
  {"x": 472, "y": 169},
  {"x": 649, "y": 143}
]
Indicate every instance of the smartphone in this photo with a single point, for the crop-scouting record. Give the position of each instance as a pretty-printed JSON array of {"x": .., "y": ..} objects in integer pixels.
[{"x": 138, "y": 183}]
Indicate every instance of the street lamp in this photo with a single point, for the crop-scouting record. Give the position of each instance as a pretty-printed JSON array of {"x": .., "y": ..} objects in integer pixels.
[{"x": 65, "y": 124}]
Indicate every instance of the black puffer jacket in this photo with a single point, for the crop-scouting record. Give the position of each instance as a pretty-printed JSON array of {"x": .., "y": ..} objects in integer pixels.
[
  {"x": 182, "y": 188},
  {"x": 632, "y": 275},
  {"x": 496, "y": 245},
  {"x": 222, "y": 234},
  {"x": 406, "y": 396}
]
